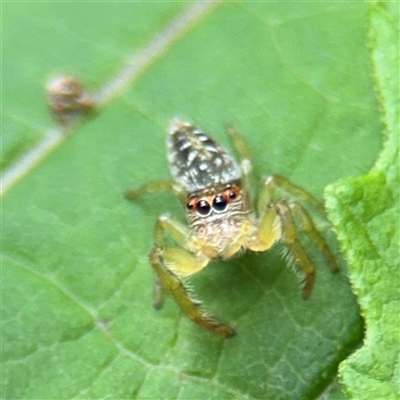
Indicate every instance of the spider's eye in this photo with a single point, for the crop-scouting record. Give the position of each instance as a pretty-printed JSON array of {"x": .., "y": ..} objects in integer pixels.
[
  {"x": 232, "y": 195},
  {"x": 190, "y": 206},
  {"x": 219, "y": 203},
  {"x": 203, "y": 208}
]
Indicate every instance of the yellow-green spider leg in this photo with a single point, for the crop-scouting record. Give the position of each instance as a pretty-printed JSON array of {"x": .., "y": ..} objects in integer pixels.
[
  {"x": 312, "y": 232},
  {"x": 271, "y": 182},
  {"x": 172, "y": 265},
  {"x": 306, "y": 221},
  {"x": 244, "y": 154},
  {"x": 295, "y": 249},
  {"x": 277, "y": 223},
  {"x": 150, "y": 187}
]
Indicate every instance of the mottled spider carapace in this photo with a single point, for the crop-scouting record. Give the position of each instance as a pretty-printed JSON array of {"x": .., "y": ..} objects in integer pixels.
[{"x": 222, "y": 221}]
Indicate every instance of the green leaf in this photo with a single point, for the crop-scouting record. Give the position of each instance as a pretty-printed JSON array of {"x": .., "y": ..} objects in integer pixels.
[
  {"x": 43, "y": 40},
  {"x": 365, "y": 213},
  {"x": 77, "y": 317}
]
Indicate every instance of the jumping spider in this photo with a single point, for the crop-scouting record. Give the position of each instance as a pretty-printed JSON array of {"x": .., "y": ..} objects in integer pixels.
[{"x": 215, "y": 191}]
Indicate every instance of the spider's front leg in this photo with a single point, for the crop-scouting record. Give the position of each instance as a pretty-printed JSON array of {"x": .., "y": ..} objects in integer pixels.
[
  {"x": 172, "y": 265},
  {"x": 277, "y": 223}
]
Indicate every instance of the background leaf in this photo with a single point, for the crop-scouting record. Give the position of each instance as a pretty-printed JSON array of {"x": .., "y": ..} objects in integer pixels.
[
  {"x": 77, "y": 315},
  {"x": 43, "y": 40},
  {"x": 365, "y": 212}
]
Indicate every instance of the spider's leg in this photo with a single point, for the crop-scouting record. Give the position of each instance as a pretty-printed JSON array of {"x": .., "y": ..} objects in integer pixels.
[
  {"x": 244, "y": 156},
  {"x": 277, "y": 223},
  {"x": 180, "y": 234},
  {"x": 296, "y": 251},
  {"x": 312, "y": 232},
  {"x": 172, "y": 265},
  {"x": 150, "y": 187},
  {"x": 267, "y": 192}
]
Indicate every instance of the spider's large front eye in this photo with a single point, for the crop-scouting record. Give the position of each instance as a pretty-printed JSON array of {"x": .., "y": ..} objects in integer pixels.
[
  {"x": 203, "y": 207},
  {"x": 219, "y": 203}
]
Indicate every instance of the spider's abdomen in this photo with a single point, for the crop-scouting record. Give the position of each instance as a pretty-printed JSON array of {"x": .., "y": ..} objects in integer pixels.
[{"x": 196, "y": 161}]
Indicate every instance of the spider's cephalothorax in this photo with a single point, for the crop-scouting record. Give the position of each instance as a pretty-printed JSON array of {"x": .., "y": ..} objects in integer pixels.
[
  {"x": 217, "y": 208},
  {"x": 214, "y": 189}
]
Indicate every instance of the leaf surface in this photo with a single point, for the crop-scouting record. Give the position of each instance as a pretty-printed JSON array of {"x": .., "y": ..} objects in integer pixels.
[
  {"x": 365, "y": 212},
  {"x": 77, "y": 315}
]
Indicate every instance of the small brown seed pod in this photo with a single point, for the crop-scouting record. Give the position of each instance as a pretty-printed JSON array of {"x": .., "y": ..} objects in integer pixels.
[{"x": 68, "y": 100}]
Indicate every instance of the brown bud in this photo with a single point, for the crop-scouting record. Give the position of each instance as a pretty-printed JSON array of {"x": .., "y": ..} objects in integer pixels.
[{"x": 68, "y": 99}]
